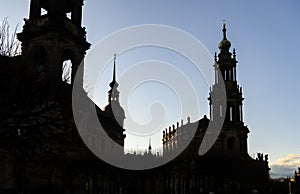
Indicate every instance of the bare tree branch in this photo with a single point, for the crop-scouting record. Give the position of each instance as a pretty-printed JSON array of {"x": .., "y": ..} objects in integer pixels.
[{"x": 9, "y": 44}]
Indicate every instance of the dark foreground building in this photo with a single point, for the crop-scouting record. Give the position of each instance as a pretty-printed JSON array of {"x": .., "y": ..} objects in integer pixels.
[{"x": 42, "y": 152}]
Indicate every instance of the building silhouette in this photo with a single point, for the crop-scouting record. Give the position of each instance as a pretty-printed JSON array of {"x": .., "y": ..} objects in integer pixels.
[
  {"x": 42, "y": 152},
  {"x": 113, "y": 115},
  {"x": 227, "y": 166},
  {"x": 234, "y": 134}
]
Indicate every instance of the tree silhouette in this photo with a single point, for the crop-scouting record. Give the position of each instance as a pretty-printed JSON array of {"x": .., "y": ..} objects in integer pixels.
[{"x": 9, "y": 45}]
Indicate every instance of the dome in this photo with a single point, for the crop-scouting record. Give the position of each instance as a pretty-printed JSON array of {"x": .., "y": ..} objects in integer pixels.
[
  {"x": 224, "y": 44},
  {"x": 113, "y": 84}
]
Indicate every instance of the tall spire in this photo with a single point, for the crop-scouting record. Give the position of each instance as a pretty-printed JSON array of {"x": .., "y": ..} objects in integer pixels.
[
  {"x": 113, "y": 113},
  {"x": 114, "y": 72},
  {"x": 113, "y": 93},
  {"x": 114, "y": 83}
]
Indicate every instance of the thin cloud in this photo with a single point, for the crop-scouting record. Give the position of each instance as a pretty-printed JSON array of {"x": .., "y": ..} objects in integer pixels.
[{"x": 285, "y": 166}]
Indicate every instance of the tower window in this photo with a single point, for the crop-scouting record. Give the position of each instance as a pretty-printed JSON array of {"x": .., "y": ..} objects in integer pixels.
[
  {"x": 44, "y": 12},
  {"x": 221, "y": 111},
  {"x": 230, "y": 113}
]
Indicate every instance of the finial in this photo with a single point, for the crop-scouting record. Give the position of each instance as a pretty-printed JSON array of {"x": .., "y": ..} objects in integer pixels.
[
  {"x": 216, "y": 57},
  {"x": 224, "y": 30},
  {"x": 150, "y": 148},
  {"x": 225, "y": 44},
  {"x": 234, "y": 53}
]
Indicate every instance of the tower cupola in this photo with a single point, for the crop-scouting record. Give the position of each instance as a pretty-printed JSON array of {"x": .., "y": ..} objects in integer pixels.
[{"x": 225, "y": 44}]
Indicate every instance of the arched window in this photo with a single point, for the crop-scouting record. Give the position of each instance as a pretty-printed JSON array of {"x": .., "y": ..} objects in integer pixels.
[
  {"x": 67, "y": 66},
  {"x": 67, "y": 71},
  {"x": 230, "y": 113}
]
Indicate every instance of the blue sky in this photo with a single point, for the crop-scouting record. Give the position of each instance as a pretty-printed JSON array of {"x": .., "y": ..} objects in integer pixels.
[{"x": 264, "y": 33}]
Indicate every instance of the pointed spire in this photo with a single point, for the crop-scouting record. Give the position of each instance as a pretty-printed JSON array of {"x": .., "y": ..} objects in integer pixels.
[
  {"x": 114, "y": 83},
  {"x": 114, "y": 71},
  {"x": 113, "y": 93}
]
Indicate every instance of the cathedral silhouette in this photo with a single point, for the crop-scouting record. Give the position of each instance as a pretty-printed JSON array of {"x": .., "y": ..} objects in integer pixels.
[{"x": 42, "y": 152}]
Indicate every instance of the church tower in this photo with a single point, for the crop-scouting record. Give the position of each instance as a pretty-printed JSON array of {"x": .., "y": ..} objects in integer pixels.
[
  {"x": 52, "y": 36},
  {"x": 112, "y": 116},
  {"x": 233, "y": 137},
  {"x": 113, "y": 108}
]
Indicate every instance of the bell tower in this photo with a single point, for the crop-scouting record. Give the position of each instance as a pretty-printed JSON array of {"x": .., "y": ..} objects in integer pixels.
[
  {"x": 113, "y": 115},
  {"x": 53, "y": 42},
  {"x": 234, "y": 134}
]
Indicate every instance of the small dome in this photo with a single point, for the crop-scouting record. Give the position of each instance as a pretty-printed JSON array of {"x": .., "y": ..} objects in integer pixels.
[
  {"x": 224, "y": 44},
  {"x": 113, "y": 84}
]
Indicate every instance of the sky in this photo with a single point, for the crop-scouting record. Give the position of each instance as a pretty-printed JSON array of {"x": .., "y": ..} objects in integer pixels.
[{"x": 265, "y": 35}]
